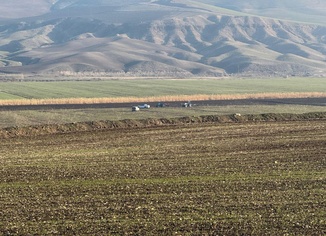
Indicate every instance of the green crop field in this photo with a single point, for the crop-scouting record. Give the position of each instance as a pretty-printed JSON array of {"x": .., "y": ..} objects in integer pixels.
[
  {"x": 156, "y": 87},
  {"x": 146, "y": 90},
  {"x": 252, "y": 178}
]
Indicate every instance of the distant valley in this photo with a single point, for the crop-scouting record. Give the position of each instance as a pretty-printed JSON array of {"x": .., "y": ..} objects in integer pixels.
[{"x": 171, "y": 38}]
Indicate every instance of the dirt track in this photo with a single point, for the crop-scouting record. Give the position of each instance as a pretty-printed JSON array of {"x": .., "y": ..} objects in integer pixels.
[{"x": 295, "y": 101}]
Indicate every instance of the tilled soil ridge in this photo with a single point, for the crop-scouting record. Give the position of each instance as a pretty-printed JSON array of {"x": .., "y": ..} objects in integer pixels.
[{"x": 152, "y": 122}]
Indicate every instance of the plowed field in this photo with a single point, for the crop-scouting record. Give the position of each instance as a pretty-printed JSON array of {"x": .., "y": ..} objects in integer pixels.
[{"x": 251, "y": 178}]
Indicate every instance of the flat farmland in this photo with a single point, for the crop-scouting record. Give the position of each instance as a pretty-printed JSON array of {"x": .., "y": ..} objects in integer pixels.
[
  {"x": 127, "y": 89},
  {"x": 31, "y": 117},
  {"x": 21, "y": 102},
  {"x": 251, "y": 178}
]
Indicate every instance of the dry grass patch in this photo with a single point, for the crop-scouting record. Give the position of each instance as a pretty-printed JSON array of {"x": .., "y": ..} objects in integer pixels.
[{"x": 168, "y": 98}]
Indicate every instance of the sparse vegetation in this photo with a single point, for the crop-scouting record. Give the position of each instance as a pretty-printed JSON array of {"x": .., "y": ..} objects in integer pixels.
[
  {"x": 25, "y": 118},
  {"x": 226, "y": 179}
]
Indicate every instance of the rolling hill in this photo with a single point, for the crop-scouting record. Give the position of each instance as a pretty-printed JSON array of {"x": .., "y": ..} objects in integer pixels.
[{"x": 164, "y": 37}]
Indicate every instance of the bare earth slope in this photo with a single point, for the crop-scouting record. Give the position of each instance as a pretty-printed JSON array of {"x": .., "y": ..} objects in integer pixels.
[{"x": 173, "y": 38}]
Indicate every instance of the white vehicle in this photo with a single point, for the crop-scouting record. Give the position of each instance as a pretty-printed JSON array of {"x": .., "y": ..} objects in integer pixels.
[
  {"x": 144, "y": 106},
  {"x": 135, "y": 108},
  {"x": 187, "y": 104}
]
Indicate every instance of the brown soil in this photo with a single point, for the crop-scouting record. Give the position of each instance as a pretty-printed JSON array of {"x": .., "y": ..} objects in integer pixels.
[{"x": 151, "y": 122}]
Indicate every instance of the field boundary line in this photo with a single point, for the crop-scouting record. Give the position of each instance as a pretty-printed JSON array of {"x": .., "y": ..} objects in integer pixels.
[{"x": 76, "y": 127}]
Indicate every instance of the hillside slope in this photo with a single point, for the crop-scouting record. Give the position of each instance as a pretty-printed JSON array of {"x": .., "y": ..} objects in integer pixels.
[
  {"x": 173, "y": 38},
  {"x": 313, "y": 11}
]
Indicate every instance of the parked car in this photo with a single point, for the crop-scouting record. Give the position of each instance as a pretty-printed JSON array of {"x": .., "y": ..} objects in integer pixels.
[
  {"x": 162, "y": 104},
  {"x": 186, "y": 104},
  {"x": 144, "y": 106},
  {"x": 135, "y": 108}
]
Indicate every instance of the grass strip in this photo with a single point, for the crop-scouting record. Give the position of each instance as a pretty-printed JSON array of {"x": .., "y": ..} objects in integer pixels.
[{"x": 168, "y": 98}]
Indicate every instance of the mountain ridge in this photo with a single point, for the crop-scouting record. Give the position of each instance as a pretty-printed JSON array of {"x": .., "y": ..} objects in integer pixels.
[{"x": 184, "y": 38}]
